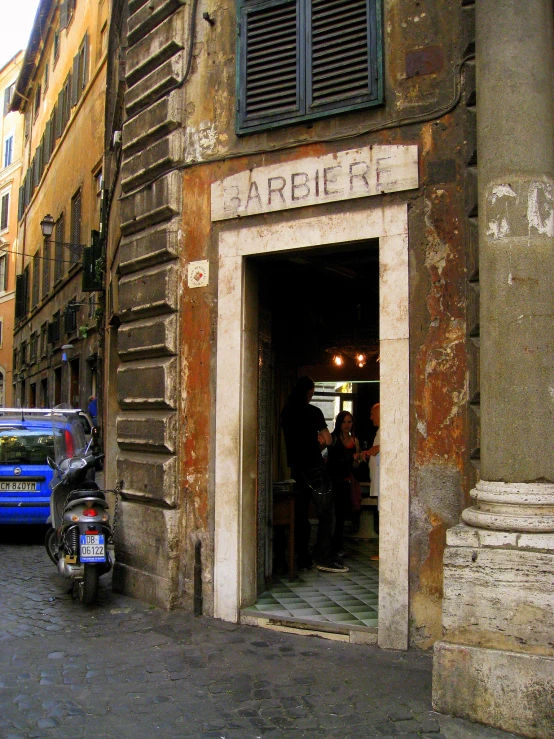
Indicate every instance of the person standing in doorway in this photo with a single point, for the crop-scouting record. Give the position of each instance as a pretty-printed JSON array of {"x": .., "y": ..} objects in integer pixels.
[
  {"x": 343, "y": 458},
  {"x": 305, "y": 434},
  {"x": 374, "y": 456},
  {"x": 93, "y": 409}
]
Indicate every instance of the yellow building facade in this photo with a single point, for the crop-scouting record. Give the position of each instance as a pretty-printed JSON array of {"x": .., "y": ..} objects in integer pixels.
[
  {"x": 11, "y": 140},
  {"x": 60, "y": 94}
]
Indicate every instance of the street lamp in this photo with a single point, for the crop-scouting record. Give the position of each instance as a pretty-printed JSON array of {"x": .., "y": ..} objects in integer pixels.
[{"x": 47, "y": 226}]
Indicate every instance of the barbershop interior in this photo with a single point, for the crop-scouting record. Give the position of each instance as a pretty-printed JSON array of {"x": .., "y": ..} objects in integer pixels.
[{"x": 318, "y": 315}]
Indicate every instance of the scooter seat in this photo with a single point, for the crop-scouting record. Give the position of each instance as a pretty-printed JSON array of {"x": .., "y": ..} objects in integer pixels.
[{"x": 90, "y": 493}]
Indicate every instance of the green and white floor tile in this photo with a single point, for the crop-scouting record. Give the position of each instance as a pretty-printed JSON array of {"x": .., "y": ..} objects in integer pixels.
[{"x": 346, "y": 600}]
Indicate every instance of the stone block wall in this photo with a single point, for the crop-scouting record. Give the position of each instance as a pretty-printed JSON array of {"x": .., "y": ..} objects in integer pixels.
[{"x": 149, "y": 294}]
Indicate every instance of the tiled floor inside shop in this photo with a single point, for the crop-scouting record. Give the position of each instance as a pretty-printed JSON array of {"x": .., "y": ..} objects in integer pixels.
[{"x": 344, "y": 600}]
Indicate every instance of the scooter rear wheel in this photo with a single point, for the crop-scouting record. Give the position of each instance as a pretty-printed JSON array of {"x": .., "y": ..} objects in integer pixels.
[
  {"x": 50, "y": 544},
  {"x": 88, "y": 587}
]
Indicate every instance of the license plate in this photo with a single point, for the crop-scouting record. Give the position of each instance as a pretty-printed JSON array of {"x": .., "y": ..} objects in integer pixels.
[
  {"x": 19, "y": 486},
  {"x": 93, "y": 548}
]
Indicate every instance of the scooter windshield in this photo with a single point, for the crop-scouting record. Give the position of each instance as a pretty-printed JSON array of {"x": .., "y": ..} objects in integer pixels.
[{"x": 68, "y": 434}]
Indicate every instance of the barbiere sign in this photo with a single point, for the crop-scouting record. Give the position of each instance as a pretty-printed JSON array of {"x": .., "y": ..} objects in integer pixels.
[{"x": 357, "y": 173}]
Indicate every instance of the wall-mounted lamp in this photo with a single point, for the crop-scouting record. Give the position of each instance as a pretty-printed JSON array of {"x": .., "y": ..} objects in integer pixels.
[
  {"x": 338, "y": 360},
  {"x": 66, "y": 348},
  {"x": 47, "y": 226}
]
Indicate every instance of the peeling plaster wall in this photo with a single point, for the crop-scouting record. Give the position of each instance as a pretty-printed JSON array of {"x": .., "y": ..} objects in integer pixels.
[{"x": 423, "y": 41}]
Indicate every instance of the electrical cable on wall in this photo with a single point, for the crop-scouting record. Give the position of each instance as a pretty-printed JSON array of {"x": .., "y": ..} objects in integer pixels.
[
  {"x": 36, "y": 256},
  {"x": 426, "y": 117}
]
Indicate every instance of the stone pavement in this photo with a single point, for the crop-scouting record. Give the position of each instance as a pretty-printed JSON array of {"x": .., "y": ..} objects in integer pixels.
[{"x": 124, "y": 669}]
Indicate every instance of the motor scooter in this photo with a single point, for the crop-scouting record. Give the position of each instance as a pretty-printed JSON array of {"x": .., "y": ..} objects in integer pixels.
[{"x": 79, "y": 514}]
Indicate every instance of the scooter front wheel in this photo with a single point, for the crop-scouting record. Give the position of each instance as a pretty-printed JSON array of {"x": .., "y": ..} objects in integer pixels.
[
  {"x": 88, "y": 587},
  {"x": 50, "y": 544}
]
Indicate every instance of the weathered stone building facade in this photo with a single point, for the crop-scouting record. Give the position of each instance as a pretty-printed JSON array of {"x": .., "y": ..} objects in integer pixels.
[
  {"x": 179, "y": 137},
  {"x": 238, "y": 169}
]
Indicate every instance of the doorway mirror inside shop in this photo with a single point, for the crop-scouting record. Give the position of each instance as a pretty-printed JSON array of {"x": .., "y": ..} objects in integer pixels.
[{"x": 318, "y": 315}]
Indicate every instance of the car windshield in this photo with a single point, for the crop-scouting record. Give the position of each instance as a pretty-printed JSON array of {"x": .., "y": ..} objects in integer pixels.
[{"x": 25, "y": 446}]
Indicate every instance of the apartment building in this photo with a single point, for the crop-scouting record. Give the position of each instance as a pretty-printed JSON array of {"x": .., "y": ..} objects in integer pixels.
[
  {"x": 60, "y": 94},
  {"x": 11, "y": 140}
]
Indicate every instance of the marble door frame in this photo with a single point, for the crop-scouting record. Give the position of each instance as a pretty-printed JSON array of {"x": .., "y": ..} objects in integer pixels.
[{"x": 236, "y": 401}]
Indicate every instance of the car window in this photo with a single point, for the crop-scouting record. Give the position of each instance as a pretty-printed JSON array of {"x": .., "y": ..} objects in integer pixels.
[{"x": 23, "y": 446}]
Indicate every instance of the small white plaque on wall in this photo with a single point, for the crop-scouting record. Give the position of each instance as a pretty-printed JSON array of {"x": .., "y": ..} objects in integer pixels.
[{"x": 199, "y": 273}]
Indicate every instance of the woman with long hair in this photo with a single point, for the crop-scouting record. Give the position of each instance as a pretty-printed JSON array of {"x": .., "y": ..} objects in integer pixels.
[{"x": 343, "y": 458}]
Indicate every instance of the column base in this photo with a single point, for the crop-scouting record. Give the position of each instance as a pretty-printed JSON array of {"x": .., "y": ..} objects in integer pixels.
[
  {"x": 508, "y": 690},
  {"x": 495, "y": 663},
  {"x": 512, "y": 506}
]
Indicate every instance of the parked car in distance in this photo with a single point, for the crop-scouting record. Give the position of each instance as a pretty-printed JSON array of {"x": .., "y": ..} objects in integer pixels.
[{"x": 25, "y": 442}]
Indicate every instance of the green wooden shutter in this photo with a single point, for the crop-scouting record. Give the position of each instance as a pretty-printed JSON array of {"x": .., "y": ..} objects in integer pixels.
[
  {"x": 40, "y": 156},
  {"x": 63, "y": 15},
  {"x": 70, "y": 319},
  {"x": 4, "y": 215},
  {"x": 303, "y": 59},
  {"x": 76, "y": 87},
  {"x": 47, "y": 151},
  {"x": 19, "y": 297},
  {"x": 92, "y": 281},
  {"x": 59, "y": 115},
  {"x": 21, "y": 203},
  {"x": 28, "y": 178},
  {"x": 339, "y": 56},
  {"x": 84, "y": 71},
  {"x": 270, "y": 52},
  {"x": 34, "y": 173},
  {"x": 76, "y": 203},
  {"x": 46, "y": 250}
]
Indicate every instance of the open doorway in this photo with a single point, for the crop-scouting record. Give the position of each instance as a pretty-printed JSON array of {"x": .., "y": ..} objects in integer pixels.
[
  {"x": 237, "y": 455},
  {"x": 318, "y": 316}
]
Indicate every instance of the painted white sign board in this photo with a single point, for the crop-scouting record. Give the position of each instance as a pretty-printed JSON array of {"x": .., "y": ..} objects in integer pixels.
[{"x": 344, "y": 175}]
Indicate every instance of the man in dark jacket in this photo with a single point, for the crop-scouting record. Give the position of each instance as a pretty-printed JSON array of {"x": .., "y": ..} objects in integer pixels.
[{"x": 305, "y": 432}]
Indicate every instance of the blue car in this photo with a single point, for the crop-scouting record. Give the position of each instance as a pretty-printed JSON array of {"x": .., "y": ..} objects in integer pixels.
[{"x": 25, "y": 443}]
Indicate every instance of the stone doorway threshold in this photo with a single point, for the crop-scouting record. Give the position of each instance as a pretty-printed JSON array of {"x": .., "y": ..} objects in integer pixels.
[{"x": 334, "y": 606}]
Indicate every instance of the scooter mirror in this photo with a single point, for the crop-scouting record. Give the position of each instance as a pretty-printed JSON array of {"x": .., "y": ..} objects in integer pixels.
[{"x": 50, "y": 462}]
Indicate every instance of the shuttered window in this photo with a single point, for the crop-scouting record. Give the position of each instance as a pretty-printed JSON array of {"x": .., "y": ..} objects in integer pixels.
[
  {"x": 36, "y": 279},
  {"x": 4, "y": 211},
  {"x": 3, "y": 272},
  {"x": 46, "y": 268},
  {"x": 8, "y": 97},
  {"x": 8, "y": 151},
  {"x": 19, "y": 297},
  {"x": 304, "y": 59},
  {"x": 59, "y": 264},
  {"x": 76, "y": 227}
]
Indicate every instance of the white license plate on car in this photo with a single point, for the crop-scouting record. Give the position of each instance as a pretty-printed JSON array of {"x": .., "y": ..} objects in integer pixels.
[
  {"x": 19, "y": 486},
  {"x": 93, "y": 548}
]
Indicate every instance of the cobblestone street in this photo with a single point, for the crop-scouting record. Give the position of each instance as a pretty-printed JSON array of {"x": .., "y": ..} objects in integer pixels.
[{"x": 125, "y": 669}]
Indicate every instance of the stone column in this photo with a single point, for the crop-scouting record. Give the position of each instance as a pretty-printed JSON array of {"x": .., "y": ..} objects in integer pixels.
[{"x": 495, "y": 663}]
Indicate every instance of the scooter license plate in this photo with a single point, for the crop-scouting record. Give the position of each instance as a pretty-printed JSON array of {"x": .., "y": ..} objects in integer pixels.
[{"x": 93, "y": 548}]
